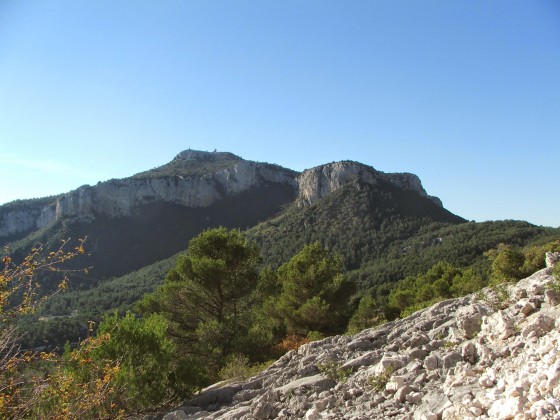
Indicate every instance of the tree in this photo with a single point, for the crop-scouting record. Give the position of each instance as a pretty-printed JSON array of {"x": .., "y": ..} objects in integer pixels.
[
  {"x": 367, "y": 315},
  {"x": 507, "y": 264},
  {"x": 207, "y": 299},
  {"x": 314, "y": 293},
  {"x": 145, "y": 355}
]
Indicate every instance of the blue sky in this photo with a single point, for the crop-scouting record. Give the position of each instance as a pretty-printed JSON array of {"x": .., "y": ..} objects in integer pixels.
[{"x": 466, "y": 94}]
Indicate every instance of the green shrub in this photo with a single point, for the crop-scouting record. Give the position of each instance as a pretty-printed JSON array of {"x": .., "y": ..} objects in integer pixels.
[
  {"x": 239, "y": 368},
  {"x": 378, "y": 382},
  {"x": 145, "y": 355},
  {"x": 334, "y": 371}
]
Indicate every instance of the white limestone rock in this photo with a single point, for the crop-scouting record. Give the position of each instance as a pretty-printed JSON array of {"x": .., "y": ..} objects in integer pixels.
[{"x": 551, "y": 258}]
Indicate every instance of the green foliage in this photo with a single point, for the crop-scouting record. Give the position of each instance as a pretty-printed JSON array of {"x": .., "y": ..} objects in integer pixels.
[
  {"x": 145, "y": 354},
  {"x": 506, "y": 264},
  {"x": 378, "y": 382},
  {"x": 498, "y": 296},
  {"x": 334, "y": 371},
  {"x": 238, "y": 368},
  {"x": 367, "y": 315},
  {"x": 381, "y": 233},
  {"x": 468, "y": 281},
  {"x": 409, "y": 310},
  {"x": 384, "y": 234},
  {"x": 511, "y": 264},
  {"x": 65, "y": 316},
  {"x": 208, "y": 299},
  {"x": 555, "y": 285},
  {"x": 359, "y": 221},
  {"x": 419, "y": 291},
  {"x": 312, "y": 283}
]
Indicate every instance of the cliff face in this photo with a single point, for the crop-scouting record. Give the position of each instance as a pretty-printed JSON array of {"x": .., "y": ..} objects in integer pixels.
[
  {"x": 318, "y": 182},
  {"x": 194, "y": 179},
  {"x": 117, "y": 198}
]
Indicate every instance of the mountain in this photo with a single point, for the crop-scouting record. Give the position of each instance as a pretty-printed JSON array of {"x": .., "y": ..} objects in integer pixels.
[
  {"x": 384, "y": 225},
  {"x": 136, "y": 221},
  {"x": 353, "y": 209}
]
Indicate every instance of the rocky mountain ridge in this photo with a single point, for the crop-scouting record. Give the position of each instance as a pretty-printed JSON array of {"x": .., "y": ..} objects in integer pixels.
[
  {"x": 194, "y": 179},
  {"x": 318, "y": 182},
  {"x": 494, "y": 354}
]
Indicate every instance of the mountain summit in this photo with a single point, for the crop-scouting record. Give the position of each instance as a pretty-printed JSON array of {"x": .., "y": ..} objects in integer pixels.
[
  {"x": 318, "y": 182},
  {"x": 194, "y": 179},
  {"x": 384, "y": 226},
  {"x": 152, "y": 215}
]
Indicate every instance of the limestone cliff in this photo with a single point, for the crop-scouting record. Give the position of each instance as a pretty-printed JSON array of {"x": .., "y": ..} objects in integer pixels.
[
  {"x": 193, "y": 179},
  {"x": 318, "y": 182}
]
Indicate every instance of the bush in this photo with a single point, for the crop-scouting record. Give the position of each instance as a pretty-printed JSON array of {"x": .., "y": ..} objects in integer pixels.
[
  {"x": 145, "y": 355},
  {"x": 239, "y": 368}
]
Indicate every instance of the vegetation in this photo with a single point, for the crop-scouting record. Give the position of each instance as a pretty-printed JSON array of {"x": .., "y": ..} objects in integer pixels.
[
  {"x": 382, "y": 235},
  {"x": 219, "y": 315},
  {"x": 378, "y": 382},
  {"x": 233, "y": 301},
  {"x": 556, "y": 283},
  {"x": 239, "y": 367},
  {"x": 334, "y": 370},
  {"x": 314, "y": 292},
  {"x": 443, "y": 281},
  {"x": 145, "y": 355},
  {"x": 65, "y": 317},
  {"x": 39, "y": 385},
  {"x": 207, "y": 299},
  {"x": 368, "y": 314}
]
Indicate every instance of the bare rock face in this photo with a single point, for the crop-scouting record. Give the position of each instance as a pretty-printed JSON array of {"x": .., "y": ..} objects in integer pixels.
[
  {"x": 551, "y": 258},
  {"x": 318, "y": 182},
  {"x": 117, "y": 198},
  {"x": 23, "y": 218},
  {"x": 461, "y": 358}
]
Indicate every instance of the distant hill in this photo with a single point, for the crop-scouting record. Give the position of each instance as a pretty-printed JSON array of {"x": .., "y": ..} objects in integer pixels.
[
  {"x": 385, "y": 226},
  {"x": 136, "y": 221}
]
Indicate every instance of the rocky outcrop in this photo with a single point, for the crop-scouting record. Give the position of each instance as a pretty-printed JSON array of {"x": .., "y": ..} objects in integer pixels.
[
  {"x": 318, "y": 182},
  {"x": 23, "y": 218},
  {"x": 217, "y": 175},
  {"x": 552, "y": 258},
  {"x": 494, "y": 354},
  {"x": 117, "y": 198}
]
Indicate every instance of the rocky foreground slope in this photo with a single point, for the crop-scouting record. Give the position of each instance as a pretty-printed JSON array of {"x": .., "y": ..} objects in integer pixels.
[{"x": 495, "y": 354}]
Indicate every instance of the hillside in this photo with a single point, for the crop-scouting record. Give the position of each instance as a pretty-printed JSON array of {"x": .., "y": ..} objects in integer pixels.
[
  {"x": 492, "y": 354},
  {"x": 385, "y": 226},
  {"x": 136, "y": 221}
]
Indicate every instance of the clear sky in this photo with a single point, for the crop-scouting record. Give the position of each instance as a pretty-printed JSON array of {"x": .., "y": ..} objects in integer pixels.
[{"x": 464, "y": 93}]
